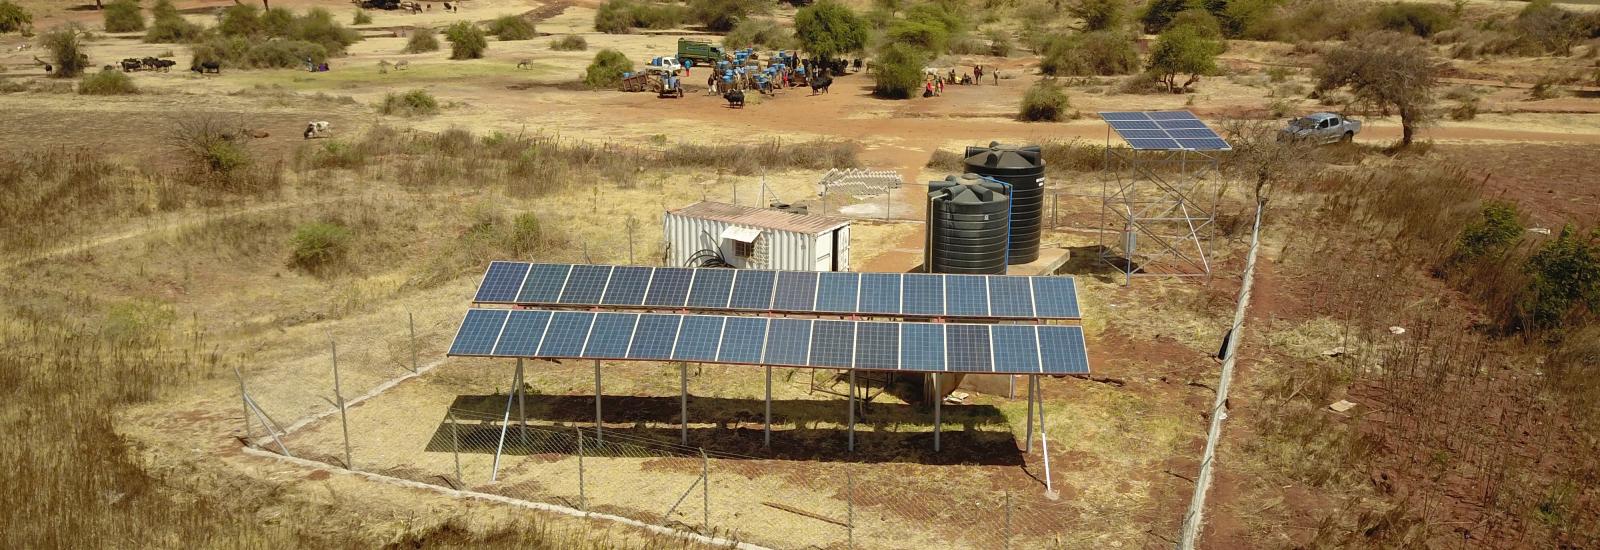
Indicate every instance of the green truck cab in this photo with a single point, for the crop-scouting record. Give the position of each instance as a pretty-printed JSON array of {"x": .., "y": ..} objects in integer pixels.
[{"x": 699, "y": 51}]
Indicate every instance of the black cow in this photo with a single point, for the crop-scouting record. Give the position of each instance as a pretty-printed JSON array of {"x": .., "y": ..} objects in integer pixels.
[
  {"x": 821, "y": 82},
  {"x": 131, "y": 64},
  {"x": 735, "y": 98},
  {"x": 207, "y": 67}
]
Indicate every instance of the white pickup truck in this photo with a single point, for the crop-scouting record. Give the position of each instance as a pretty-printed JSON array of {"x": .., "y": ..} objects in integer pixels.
[{"x": 1321, "y": 128}]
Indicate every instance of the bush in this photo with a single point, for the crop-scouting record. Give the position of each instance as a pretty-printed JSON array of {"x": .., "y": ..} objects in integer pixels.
[
  {"x": 112, "y": 82},
  {"x": 1202, "y": 21},
  {"x": 276, "y": 22},
  {"x": 622, "y": 16},
  {"x": 1493, "y": 234},
  {"x": 421, "y": 40},
  {"x": 829, "y": 29},
  {"x": 1184, "y": 50},
  {"x": 361, "y": 18},
  {"x": 606, "y": 69},
  {"x": 899, "y": 71},
  {"x": 1158, "y": 14},
  {"x": 123, "y": 16},
  {"x": 240, "y": 20},
  {"x": 318, "y": 27},
  {"x": 13, "y": 18},
  {"x": 999, "y": 43},
  {"x": 244, "y": 53},
  {"x": 525, "y": 234},
  {"x": 66, "y": 50},
  {"x": 1565, "y": 275},
  {"x": 925, "y": 36},
  {"x": 1100, "y": 15},
  {"x": 1250, "y": 19},
  {"x": 512, "y": 27},
  {"x": 1045, "y": 101},
  {"x": 467, "y": 41},
  {"x": 722, "y": 15},
  {"x": 168, "y": 26},
  {"x": 215, "y": 144},
  {"x": 569, "y": 43},
  {"x": 1103, "y": 53},
  {"x": 1419, "y": 19},
  {"x": 1543, "y": 27},
  {"x": 318, "y": 245},
  {"x": 759, "y": 32},
  {"x": 412, "y": 103}
]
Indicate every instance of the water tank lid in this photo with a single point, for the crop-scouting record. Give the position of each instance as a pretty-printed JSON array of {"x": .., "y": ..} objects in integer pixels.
[
  {"x": 1007, "y": 156},
  {"x": 967, "y": 189}
]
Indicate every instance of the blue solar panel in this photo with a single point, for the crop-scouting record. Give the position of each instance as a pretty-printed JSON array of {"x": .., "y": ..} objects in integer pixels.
[
  {"x": 1015, "y": 348},
  {"x": 586, "y": 284},
  {"x": 1063, "y": 351},
  {"x": 654, "y": 337},
  {"x": 1171, "y": 115},
  {"x": 1143, "y": 134},
  {"x": 522, "y": 333},
  {"x": 501, "y": 282},
  {"x": 1125, "y": 125},
  {"x": 753, "y": 290},
  {"x": 568, "y": 332},
  {"x": 610, "y": 336},
  {"x": 796, "y": 291},
  {"x": 627, "y": 286},
  {"x": 478, "y": 332},
  {"x": 833, "y": 343},
  {"x": 966, "y": 296},
  {"x": 1194, "y": 133},
  {"x": 1010, "y": 297},
  {"x": 788, "y": 342},
  {"x": 1181, "y": 124},
  {"x": 922, "y": 347},
  {"x": 742, "y": 340},
  {"x": 837, "y": 292},
  {"x": 1056, "y": 297},
  {"x": 544, "y": 284},
  {"x": 1125, "y": 115},
  {"x": 712, "y": 287},
  {"x": 698, "y": 339},
  {"x": 880, "y": 293},
  {"x": 669, "y": 287},
  {"x": 967, "y": 348},
  {"x": 1164, "y": 130},
  {"x": 1209, "y": 144},
  {"x": 924, "y": 295},
  {"x": 1161, "y": 144},
  {"x": 877, "y": 346}
]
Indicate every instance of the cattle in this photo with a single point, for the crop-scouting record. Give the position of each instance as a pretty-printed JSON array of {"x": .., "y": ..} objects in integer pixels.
[
  {"x": 735, "y": 99},
  {"x": 165, "y": 65},
  {"x": 317, "y": 128},
  {"x": 402, "y": 65},
  {"x": 820, "y": 83},
  {"x": 131, "y": 64},
  {"x": 207, "y": 67}
]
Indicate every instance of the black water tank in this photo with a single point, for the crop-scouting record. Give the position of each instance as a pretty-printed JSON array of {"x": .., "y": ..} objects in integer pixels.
[
  {"x": 1023, "y": 168},
  {"x": 968, "y": 224}
]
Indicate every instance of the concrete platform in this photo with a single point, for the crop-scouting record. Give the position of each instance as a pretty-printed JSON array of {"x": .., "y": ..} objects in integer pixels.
[{"x": 1050, "y": 259}]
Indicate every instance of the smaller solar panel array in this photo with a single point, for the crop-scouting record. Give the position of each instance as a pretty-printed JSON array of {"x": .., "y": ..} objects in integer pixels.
[
  {"x": 1164, "y": 130},
  {"x": 842, "y": 293},
  {"x": 861, "y": 345}
]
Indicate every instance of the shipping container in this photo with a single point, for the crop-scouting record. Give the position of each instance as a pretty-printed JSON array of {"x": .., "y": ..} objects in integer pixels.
[{"x": 712, "y": 233}]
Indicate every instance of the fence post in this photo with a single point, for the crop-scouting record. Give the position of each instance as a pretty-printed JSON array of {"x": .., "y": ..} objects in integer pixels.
[
  {"x": 850, "y": 506},
  {"x": 583, "y": 503},
  {"x": 705, "y": 489},
  {"x": 1007, "y": 538},
  {"x": 455, "y": 443},
  {"x": 411, "y": 322},
  {"x": 344, "y": 421}
]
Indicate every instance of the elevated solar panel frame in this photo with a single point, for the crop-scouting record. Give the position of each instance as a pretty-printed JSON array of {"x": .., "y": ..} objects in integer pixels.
[
  {"x": 1164, "y": 131},
  {"x": 819, "y": 293}
]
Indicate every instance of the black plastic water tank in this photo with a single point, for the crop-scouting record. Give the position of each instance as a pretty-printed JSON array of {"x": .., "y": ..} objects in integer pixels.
[
  {"x": 1023, "y": 168},
  {"x": 968, "y": 225}
]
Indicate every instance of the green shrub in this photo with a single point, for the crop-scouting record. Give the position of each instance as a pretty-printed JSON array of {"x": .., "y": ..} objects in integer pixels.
[
  {"x": 765, "y": 33},
  {"x": 276, "y": 22},
  {"x": 1100, "y": 15},
  {"x": 467, "y": 41},
  {"x": 244, "y": 53},
  {"x": 13, "y": 18},
  {"x": 525, "y": 234},
  {"x": 361, "y": 18},
  {"x": 925, "y": 36},
  {"x": 1543, "y": 27},
  {"x": 829, "y": 29},
  {"x": 569, "y": 43},
  {"x": 614, "y": 17},
  {"x": 1045, "y": 101},
  {"x": 318, "y": 27},
  {"x": 412, "y": 103},
  {"x": 1101, "y": 53},
  {"x": 722, "y": 15},
  {"x": 1158, "y": 14},
  {"x": 512, "y": 27},
  {"x": 66, "y": 50},
  {"x": 1494, "y": 233},
  {"x": 240, "y": 20},
  {"x": 112, "y": 82},
  {"x": 899, "y": 71},
  {"x": 1249, "y": 19},
  {"x": 421, "y": 40},
  {"x": 319, "y": 245},
  {"x": 166, "y": 25},
  {"x": 622, "y": 16},
  {"x": 999, "y": 43},
  {"x": 1565, "y": 275},
  {"x": 1419, "y": 19},
  {"x": 1184, "y": 50},
  {"x": 123, "y": 16},
  {"x": 606, "y": 69},
  {"x": 1201, "y": 20}
]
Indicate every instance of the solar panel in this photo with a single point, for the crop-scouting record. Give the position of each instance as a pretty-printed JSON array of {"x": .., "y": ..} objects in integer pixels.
[
  {"x": 802, "y": 292},
  {"x": 861, "y": 345},
  {"x": 1164, "y": 130}
]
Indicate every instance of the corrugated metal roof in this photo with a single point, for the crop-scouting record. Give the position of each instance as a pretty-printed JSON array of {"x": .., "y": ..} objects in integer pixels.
[{"x": 761, "y": 217}]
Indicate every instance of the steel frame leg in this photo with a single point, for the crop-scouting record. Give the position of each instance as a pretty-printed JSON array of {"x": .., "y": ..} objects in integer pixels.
[
  {"x": 598, "y": 428},
  {"x": 683, "y": 402},
  {"x": 852, "y": 401},
  {"x": 938, "y": 403},
  {"x": 505, "y": 423},
  {"x": 766, "y": 436},
  {"x": 1033, "y": 390}
]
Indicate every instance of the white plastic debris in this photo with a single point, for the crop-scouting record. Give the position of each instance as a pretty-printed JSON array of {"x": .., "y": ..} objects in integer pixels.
[
  {"x": 1397, "y": 330},
  {"x": 1341, "y": 406},
  {"x": 1539, "y": 230},
  {"x": 1335, "y": 352}
]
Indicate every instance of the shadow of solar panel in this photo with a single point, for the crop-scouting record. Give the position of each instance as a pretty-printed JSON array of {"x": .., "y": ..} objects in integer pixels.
[
  {"x": 586, "y": 284},
  {"x": 669, "y": 287},
  {"x": 1056, "y": 297},
  {"x": 837, "y": 292},
  {"x": 568, "y": 332},
  {"x": 880, "y": 293},
  {"x": 742, "y": 340},
  {"x": 698, "y": 338},
  {"x": 752, "y": 290},
  {"x": 967, "y": 348},
  {"x": 654, "y": 336},
  {"x": 544, "y": 283},
  {"x": 610, "y": 336},
  {"x": 501, "y": 282},
  {"x": 1010, "y": 297},
  {"x": 522, "y": 333},
  {"x": 788, "y": 342},
  {"x": 712, "y": 288},
  {"x": 833, "y": 343},
  {"x": 1016, "y": 349},
  {"x": 877, "y": 346},
  {"x": 966, "y": 296},
  {"x": 922, "y": 347},
  {"x": 478, "y": 332},
  {"x": 924, "y": 295},
  {"x": 1062, "y": 348},
  {"x": 796, "y": 291},
  {"x": 627, "y": 286}
]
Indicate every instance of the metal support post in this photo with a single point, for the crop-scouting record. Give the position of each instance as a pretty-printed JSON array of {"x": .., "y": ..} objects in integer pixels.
[
  {"x": 583, "y": 502},
  {"x": 852, "y": 402},
  {"x": 705, "y": 490},
  {"x": 683, "y": 402},
  {"x": 344, "y": 422},
  {"x": 850, "y": 506},
  {"x": 1033, "y": 390},
  {"x": 938, "y": 403},
  {"x": 455, "y": 443},
  {"x": 522, "y": 410},
  {"x": 766, "y": 436},
  {"x": 1044, "y": 442},
  {"x": 411, "y": 321},
  {"x": 598, "y": 436},
  {"x": 505, "y": 423},
  {"x": 1006, "y": 540}
]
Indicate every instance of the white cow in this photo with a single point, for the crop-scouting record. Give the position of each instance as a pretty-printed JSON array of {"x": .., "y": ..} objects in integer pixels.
[{"x": 317, "y": 129}]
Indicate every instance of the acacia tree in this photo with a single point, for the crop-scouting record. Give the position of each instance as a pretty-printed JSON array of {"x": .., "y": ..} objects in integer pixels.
[
  {"x": 828, "y": 29},
  {"x": 1184, "y": 50},
  {"x": 1387, "y": 70}
]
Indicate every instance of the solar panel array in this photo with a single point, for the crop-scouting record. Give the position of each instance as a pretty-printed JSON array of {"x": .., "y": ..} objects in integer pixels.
[
  {"x": 721, "y": 289},
  {"x": 840, "y": 344},
  {"x": 1164, "y": 130}
]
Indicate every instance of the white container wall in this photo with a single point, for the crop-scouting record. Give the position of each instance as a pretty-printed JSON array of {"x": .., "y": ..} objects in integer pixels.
[{"x": 785, "y": 241}]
